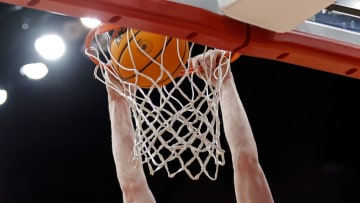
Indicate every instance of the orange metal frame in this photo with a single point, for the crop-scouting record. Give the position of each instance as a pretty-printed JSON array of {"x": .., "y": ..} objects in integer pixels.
[{"x": 218, "y": 31}]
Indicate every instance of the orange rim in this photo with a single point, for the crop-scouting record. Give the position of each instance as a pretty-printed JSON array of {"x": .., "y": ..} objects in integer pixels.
[
  {"x": 97, "y": 31},
  {"x": 113, "y": 27},
  {"x": 233, "y": 58}
]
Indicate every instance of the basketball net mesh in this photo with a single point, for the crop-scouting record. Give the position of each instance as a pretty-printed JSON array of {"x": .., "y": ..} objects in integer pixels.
[{"x": 176, "y": 126}]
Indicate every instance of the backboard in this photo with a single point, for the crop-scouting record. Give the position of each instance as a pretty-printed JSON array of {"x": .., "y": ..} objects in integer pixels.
[{"x": 322, "y": 35}]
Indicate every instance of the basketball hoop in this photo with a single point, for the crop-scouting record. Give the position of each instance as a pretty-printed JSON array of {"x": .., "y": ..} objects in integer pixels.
[{"x": 176, "y": 125}]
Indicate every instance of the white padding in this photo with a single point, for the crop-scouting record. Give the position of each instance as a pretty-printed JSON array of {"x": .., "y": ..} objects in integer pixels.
[{"x": 276, "y": 15}]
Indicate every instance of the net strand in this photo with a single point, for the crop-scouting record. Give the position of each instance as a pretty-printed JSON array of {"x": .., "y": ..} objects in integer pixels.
[{"x": 176, "y": 126}]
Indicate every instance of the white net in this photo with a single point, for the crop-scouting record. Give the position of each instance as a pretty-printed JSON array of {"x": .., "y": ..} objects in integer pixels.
[{"x": 176, "y": 123}]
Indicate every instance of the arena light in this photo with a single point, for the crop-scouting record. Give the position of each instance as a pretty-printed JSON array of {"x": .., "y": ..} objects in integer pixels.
[
  {"x": 3, "y": 96},
  {"x": 51, "y": 46},
  {"x": 34, "y": 71},
  {"x": 90, "y": 22}
]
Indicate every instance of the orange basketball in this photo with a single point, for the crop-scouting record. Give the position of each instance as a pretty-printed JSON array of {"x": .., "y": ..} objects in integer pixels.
[{"x": 132, "y": 58}]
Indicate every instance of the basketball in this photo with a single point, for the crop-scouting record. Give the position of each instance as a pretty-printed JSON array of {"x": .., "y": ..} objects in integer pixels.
[{"x": 144, "y": 54}]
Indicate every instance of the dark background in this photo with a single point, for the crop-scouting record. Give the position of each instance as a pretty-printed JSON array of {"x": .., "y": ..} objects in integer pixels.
[{"x": 55, "y": 133}]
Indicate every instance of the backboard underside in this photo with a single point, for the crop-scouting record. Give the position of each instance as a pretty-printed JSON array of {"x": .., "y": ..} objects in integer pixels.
[{"x": 313, "y": 43}]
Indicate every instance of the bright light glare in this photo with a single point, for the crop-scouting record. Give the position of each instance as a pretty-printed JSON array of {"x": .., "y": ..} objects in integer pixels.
[
  {"x": 3, "y": 96},
  {"x": 34, "y": 71},
  {"x": 50, "y": 47},
  {"x": 90, "y": 22}
]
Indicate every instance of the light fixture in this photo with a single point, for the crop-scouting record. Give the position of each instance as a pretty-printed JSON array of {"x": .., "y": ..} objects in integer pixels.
[
  {"x": 3, "y": 96},
  {"x": 90, "y": 22},
  {"x": 34, "y": 71},
  {"x": 51, "y": 46}
]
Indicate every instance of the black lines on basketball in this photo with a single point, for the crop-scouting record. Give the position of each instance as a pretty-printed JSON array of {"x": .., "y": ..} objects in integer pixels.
[
  {"x": 136, "y": 54},
  {"x": 126, "y": 46},
  {"x": 156, "y": 56},
  {"x": 184, "y": 55}
]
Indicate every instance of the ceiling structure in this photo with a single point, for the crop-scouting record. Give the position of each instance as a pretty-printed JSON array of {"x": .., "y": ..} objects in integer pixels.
[{"x": 55, "y": 133}]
